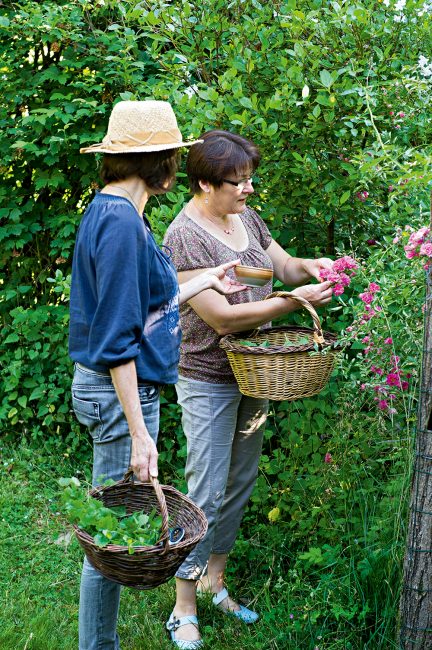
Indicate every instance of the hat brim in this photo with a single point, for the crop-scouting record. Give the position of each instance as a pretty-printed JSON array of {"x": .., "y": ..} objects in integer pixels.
[{"x": 102, "y": 148}]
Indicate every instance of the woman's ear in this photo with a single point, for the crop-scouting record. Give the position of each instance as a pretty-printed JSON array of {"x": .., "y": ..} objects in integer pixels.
[{"x": 205, "y": 186}]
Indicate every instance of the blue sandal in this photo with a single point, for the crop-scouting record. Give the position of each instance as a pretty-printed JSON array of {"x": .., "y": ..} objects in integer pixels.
[
  {"x": 174, "y": 623},
  {"x": 243, "y": 614}
]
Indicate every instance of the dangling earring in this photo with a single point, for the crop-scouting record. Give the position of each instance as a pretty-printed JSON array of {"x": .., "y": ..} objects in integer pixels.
[{"x": 206, "y": 200}]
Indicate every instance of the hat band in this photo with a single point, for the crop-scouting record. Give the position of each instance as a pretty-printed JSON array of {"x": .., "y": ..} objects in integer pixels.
[{"x": 139, "y": 139}]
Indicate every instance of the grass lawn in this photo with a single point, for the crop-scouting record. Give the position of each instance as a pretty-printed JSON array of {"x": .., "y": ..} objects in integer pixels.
[{"x": 40, "y": 574}]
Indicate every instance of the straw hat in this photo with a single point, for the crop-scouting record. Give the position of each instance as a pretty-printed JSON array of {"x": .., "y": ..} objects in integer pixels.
[{"x": 138, "y": 127}]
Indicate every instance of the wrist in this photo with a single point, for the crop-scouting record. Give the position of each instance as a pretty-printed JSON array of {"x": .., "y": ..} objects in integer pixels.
[{"x": 139, "y": 432}]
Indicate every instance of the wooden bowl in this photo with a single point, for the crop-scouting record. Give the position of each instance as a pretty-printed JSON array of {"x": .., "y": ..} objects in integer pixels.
[{"x": 253, "y": 276}]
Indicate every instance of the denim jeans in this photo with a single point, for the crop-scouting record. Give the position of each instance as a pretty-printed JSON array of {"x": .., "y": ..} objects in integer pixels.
[
  {"x": 96, "y": 405},
  {"x": 224, "y": 432}
]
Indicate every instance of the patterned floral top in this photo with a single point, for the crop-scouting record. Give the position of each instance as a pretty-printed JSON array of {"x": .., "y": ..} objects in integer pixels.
[{"x": 192, "y": 247}]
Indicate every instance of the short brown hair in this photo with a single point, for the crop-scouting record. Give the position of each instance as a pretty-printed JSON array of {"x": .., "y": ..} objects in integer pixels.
[
  {"x": 155, "y": 168},
  {"x": 222, "y": 153}
]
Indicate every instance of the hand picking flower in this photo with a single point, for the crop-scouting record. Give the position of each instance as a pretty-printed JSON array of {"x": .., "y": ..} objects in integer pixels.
[{"x": 340, "y": 274}]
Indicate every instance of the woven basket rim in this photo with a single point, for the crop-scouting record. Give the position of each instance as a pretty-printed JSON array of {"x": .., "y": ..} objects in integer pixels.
[{"x": 229, "y": 342}]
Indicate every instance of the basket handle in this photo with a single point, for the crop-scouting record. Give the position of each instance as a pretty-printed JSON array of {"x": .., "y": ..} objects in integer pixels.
[
  {"x": 318, "y": 333},
  {"x": 129, "y": 476}
]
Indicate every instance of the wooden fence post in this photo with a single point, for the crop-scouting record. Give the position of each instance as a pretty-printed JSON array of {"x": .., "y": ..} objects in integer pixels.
[{"x": 416, "y": 598}]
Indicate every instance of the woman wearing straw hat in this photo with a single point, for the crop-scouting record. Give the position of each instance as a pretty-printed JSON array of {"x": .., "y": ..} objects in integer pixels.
[
  {"x": 124, "y": 324},
  {"x": 224, "y": 429}
]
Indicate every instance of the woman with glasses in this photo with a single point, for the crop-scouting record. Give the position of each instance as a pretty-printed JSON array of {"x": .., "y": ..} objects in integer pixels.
[{"x": 224, "y": 428}]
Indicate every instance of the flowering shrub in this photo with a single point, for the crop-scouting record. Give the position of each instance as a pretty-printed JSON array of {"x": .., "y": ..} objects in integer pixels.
[
  {"x": 385, "y": 375},
  {"x": 340, "y": 274},
  {"x": 419, "y": 243},
  {"x": 388, "y": 369}
]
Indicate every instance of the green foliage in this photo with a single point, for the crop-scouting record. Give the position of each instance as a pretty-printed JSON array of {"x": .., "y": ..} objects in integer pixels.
[
  {"x": 319, "y": 87},
  {"x": 108, "y": 525},
  {"x": 334, "y": 96}
]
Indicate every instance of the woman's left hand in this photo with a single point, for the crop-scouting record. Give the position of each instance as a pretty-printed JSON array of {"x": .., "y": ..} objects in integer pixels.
[
  {"x": 313, "y": 267},
  {"x": 220, "y": 282}
]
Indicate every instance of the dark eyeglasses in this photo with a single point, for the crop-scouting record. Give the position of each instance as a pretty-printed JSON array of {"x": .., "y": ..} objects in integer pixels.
[{"x": 239, "y": 184}]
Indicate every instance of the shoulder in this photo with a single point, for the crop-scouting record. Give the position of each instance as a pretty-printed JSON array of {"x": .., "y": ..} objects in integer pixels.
[
  {"x": 252, "y": 216},
  {"x": 256, "y": 224},
  {"x": 178, "y": 225}
]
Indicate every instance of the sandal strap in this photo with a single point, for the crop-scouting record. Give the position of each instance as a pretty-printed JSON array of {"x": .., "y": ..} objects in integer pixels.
[
  {"x": 218, "y": 598},
  {"x": 174, "y": 622}
]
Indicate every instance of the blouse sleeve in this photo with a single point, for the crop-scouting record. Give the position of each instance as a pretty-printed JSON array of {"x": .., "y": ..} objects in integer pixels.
[
  {"x": 261, "y": 232},
  {"x": 122, "y": 268},
  {"x": 188, "y": 251}
]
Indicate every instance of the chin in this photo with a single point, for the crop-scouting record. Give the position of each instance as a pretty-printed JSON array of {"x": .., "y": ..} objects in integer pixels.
[{"x": 241, "y": 206}]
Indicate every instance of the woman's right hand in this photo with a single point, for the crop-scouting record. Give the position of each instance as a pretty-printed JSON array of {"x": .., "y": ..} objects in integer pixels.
[
  {"x": 144, "y": 457},
  {"x": 316, "y": 294}
]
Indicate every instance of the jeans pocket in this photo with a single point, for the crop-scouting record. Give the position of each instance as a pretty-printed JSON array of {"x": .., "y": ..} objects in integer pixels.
[
  {"x": 147, "y": 393},
  {"x": 88, "y": 413}
]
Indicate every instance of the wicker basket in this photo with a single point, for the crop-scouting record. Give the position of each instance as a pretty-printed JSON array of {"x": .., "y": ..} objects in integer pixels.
[
  {"x": 280, "y": 371},
  {"x": 148, "y": 566}
]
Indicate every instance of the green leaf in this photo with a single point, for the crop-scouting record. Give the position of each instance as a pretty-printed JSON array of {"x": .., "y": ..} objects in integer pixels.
[
  {"x": 326, "y": 78},
  {"x": 12, "y": 338},
  {"x": 246, "y": 102},
  {"x": 22, "y": 401},
  {"x": 344, "y": 198}
]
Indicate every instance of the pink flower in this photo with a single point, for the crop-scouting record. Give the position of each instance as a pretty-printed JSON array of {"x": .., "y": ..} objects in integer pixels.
[
  {"x": 393, "y": 379},
  {"x": 344, "y": 279},
  {"x": 388, "y": 341},
  {"x": 374, "y": 287},
  {"x": 366, "y": 339},
  {"x": 344, "y": 263},
  {"x": 349, "y": 328},
  {"x": 363, "y": 387},
  {"x": 404, "y": 385},
  {"x": 336, "y": 274},
  {"x": 390, "y": 189},
  {"x": 401, "y": 114},
  {"x": 426, "y": 249},
  {"x": 328, "y": 458},
  {"x": 383, "y": 404},
  {"x": 367, "y": 298},
  {"x": 419, "y": 236},
  {"x": 392, "y": 411}
]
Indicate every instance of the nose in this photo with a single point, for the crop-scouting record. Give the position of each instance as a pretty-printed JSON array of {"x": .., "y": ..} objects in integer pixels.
[{"x": 248, "y": 187}]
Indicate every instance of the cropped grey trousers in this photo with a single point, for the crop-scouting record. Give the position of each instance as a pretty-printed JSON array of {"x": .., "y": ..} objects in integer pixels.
[{"x": 224, "y": 432}]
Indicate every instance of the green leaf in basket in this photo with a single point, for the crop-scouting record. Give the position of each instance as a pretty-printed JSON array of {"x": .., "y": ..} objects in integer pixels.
[
  {"x": 301, "y": 340},
  {"x": 108, "y": 525},
  {"x": 101, "y": 540},
  {"x": 265, "y": 344},
  {"x": 249, "y": 344}
]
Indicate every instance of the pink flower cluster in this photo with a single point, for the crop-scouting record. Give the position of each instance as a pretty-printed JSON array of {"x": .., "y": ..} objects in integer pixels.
[
  {"x": 340, "y": 274},
  {"x": 419, "y": 245},
  {"x": 362, "y": 196},
  {"x": 383, "y": 365}
]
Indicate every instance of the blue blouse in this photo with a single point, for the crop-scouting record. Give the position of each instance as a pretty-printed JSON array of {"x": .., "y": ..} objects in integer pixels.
[{"x": 124, "y": 294}]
